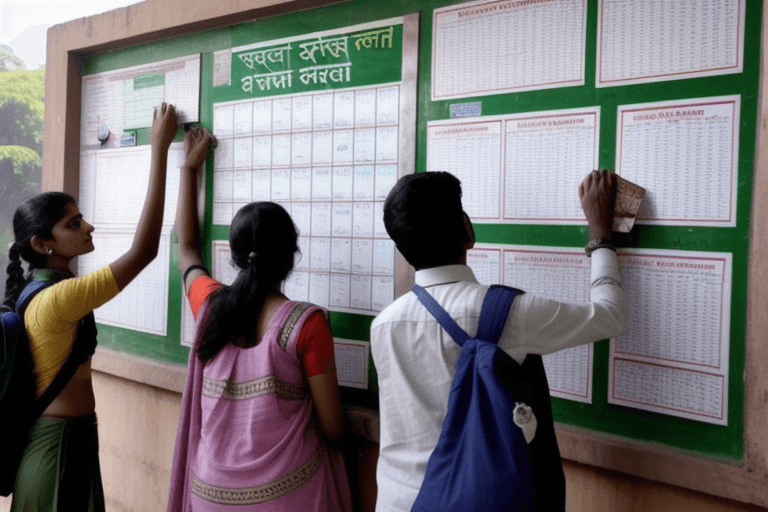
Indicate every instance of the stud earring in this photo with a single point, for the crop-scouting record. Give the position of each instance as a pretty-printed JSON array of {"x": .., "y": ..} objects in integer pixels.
[{"x": 48, "y": 250}]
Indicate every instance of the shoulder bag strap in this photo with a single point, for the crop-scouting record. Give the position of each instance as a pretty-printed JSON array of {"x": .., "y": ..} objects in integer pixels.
[
  {"x": 443, "y": 318},
  {"x": 493, "y": 315},
  {"x": 74, "y": 360}
]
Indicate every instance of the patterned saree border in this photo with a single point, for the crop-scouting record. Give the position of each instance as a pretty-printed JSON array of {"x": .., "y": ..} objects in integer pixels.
[
  {"x": 269, "y": 384},
  {"x": 289, "y": 325},
  {"x": 260, "y": 493}
]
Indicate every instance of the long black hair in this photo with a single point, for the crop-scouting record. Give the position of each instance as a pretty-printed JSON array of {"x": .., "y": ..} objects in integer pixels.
[
  {"x": 262, "y": 241},
  {"x": 36, "y": 216}
]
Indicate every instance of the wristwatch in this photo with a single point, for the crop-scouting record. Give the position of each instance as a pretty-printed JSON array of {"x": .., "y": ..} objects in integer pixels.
[{"x": 599, "y": 243}]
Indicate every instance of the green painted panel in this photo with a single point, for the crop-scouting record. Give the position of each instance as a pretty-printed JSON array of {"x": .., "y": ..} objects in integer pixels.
[
  {"x": 347, "y": 59},
  {"x": 716, "y": 441}
]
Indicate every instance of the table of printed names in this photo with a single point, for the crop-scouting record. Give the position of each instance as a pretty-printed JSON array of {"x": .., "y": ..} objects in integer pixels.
[
  {"x": 553, "y": 273},
  {"x": 124, "y": 99},
  {"x": 330, "y": 158},
  {"x": 685, "y": 154},
  {"x": 352, "y": 362},
  {"x": 546, "y": 155},
  {"x": 673, "y": 358},
  {"x": 471, "y": 151},
  {"x": 657, "y": 40},
  {"x": 483, "y": 48},
  {"x": 143, "y": 304},
  {"x": 113, "y": 184}
]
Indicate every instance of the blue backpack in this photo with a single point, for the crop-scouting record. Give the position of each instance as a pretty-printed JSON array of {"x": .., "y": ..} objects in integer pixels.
[
  {"x": 481, "y": 461},
  {"x": 18, "y": 407}
]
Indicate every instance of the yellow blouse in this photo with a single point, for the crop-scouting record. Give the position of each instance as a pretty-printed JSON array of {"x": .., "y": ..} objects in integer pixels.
[{"x": 53, "y": 316}]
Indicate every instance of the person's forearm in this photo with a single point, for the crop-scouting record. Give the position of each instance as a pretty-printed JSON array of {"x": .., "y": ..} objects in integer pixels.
[
  {"x": 147, "y": 238},
  {"x": 187, "y": 228}
]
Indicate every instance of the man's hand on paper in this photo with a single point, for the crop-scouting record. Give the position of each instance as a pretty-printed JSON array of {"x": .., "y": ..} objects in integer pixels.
[
  {"x": 196, "y": 143},
  {"x": 164, "y": 123},
  {"x": 598, "y": 193}
]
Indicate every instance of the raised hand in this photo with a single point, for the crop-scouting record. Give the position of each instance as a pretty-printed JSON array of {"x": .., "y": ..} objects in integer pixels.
[
  {"x": 597, "y": 194},
  {"x": 197, "y": 141},
  {"x": 164, "y": 123}
]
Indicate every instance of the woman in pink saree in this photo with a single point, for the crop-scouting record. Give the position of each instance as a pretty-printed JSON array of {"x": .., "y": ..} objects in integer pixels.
[{"x": 261, "y": 396}]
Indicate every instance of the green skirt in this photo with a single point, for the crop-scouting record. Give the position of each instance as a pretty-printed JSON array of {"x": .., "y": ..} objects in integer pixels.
[{"x": 60, "y": 470}]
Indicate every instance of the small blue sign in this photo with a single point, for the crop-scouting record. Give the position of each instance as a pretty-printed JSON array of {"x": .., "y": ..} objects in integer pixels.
[{"x": 465, "y": 109}]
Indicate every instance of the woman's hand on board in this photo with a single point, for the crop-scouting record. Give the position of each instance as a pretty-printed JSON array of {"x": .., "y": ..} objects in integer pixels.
[
  {"x": 164, "y": 122},
  {"x": 197, "y": 141}
]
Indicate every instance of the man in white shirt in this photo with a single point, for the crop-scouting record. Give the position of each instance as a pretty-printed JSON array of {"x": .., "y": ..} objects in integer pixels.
[{"x": 416, "y": 359}]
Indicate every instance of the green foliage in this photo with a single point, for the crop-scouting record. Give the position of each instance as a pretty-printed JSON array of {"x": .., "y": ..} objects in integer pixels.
[
  {"x": 25, "y": 162},
  {"x": 22, "y": 95},
  {"x": 9, "y": 60}
]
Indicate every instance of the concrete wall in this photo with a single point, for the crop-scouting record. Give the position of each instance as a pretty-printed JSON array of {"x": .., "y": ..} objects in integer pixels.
[
  {"x": 137, "y": 431},
  {"x": 137, "y": 428}
]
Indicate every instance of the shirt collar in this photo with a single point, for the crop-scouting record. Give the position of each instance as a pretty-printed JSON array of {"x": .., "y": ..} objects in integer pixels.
[{"x": 444, "y": 275}]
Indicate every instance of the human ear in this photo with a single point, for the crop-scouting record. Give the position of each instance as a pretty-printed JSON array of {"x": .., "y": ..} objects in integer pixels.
[
  {"x": 39, "y": 246},
  {"x": 469, "y": 233}
]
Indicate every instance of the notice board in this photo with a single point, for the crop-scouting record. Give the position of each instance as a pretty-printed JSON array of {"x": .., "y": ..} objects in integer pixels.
[{"x": 519, "y": 99}]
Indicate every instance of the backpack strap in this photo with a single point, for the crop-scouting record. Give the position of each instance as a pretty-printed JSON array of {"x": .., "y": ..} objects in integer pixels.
[
  {"x": 82, "y": 347},
  {"x": 493, "y": 315},
  {"x": 28, "y": 293},
  {"x": 458, "y": 334}
]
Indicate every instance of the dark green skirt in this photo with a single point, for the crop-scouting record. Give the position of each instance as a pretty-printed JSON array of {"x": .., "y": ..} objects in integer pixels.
[{"x": 60, "y": 469}]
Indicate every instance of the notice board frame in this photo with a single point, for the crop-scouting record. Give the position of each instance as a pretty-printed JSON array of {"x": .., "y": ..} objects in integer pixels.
[{"x": 744, "y": 480}]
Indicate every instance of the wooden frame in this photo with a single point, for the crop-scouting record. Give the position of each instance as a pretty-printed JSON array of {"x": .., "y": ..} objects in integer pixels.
[{"x": 745, "y": 481}]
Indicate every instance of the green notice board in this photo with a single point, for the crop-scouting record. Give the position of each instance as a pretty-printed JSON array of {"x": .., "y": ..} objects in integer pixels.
[{"x": 257, "y": 63}]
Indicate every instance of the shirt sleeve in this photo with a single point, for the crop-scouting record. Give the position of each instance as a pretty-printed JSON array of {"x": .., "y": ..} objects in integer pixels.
[
  {"x": 57, "y": 308},
  {"x": 315, "y": 346},
  {"x": 542, "y": 326},
  {"x": 199, "y": 291}
]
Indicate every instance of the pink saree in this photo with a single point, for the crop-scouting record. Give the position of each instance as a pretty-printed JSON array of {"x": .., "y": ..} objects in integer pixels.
[{"x": 247, "y": 439}]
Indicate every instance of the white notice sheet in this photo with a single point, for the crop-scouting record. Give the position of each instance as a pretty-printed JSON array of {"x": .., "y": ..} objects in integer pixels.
[
  {"x": 485, "y": 262},
  {"x": 223, "y": 270},
  {"x": 685, "y": 154},
  {"x": 330, "y": 159},
  {"x": 352, "y": 362},
  {"x": 547, "y": 155},
  {"x": 124, "y": 99},
  {"x": 492, "y": 47},
  {"x": 519, "y": 168},
  {"x": 674, "y": 357},
  {"x": 656, "y": 40},
  {"x": 113, "y": 184},
  {"x": 471, "y": 151},
  {"x": 555, "y": 273},
  {"x": 143, "y": 304}
]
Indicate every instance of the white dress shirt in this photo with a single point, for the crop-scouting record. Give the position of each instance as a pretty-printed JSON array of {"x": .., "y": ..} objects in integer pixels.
[{"x": 416, "y": 359}]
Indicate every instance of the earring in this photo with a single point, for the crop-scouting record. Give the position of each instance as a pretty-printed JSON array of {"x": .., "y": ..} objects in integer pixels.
[{"x": 48, "y": 250}]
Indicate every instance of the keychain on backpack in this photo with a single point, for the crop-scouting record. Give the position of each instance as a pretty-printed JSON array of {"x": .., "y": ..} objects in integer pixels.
[{"x": 526, "y": 420}]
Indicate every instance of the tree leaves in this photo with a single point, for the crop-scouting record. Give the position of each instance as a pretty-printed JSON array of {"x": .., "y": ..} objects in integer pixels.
[
  {"x": 22, "y": 95},
  {"x": 9, "y": 60}
]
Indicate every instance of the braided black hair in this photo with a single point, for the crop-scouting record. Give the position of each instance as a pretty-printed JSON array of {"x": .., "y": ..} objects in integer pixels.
[{"x": 36, "y": 216}]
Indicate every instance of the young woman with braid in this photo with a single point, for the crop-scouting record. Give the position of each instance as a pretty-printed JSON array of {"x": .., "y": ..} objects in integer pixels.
[
  {"x": 261, "y": 395},
  {"x": 60, "y": 466}
]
